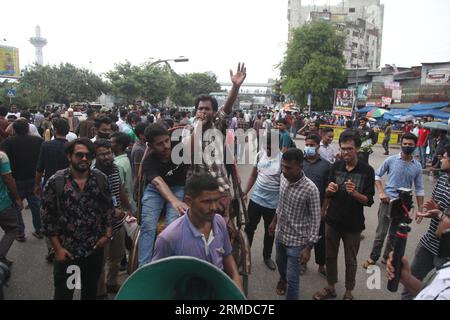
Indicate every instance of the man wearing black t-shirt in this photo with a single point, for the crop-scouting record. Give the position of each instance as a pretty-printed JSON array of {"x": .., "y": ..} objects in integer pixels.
[
  {"x": 351, "y": 187},
  {"x": 164, "y": 185}
]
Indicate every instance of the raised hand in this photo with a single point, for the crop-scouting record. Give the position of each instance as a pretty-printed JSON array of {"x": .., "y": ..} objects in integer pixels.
[{"x": 238, "y": 78}]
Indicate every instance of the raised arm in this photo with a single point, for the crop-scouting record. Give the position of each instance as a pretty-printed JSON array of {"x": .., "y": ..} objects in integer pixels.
[{"x": 236, "y": 79}]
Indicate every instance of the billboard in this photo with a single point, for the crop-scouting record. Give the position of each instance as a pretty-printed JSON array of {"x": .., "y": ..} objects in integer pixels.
[
  {"x": 438, "y": 76},
  {"x": 9, "y": 62},
  {"x": 344, "y": 100}
]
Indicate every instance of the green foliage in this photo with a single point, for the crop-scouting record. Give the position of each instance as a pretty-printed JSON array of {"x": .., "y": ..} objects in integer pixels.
[
  {"x": 314, "y": 63},
  {"x": 189, "y": 86}
]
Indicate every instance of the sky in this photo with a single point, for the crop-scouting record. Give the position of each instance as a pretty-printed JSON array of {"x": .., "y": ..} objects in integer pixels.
[{"x": 215, "y": 35}]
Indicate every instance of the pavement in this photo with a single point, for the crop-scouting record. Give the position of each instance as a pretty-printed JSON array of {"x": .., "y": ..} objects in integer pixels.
[{"x": 32, "y": 278}]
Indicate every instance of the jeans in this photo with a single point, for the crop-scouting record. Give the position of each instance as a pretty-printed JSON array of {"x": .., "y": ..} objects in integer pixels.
[
  {"x": 90, "y": 269},
  {"x": 289, "y": 268},
  {"x": 25, "y": 189},
  {"x": 152, "y": 205},
  {"x": 255, "y": 212},
  {"x": 8, "y": 222},
  {"x": 294, "y": 133},
  {"x": 424, "y": 261},
  {"x": 385, "y": 224},
  {"x": 423, "y": 156},
  {"x": 385, "y": 144}
]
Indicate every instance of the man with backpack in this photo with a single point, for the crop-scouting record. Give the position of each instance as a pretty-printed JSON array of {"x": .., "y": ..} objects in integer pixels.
[{"x": 77, "y": 211}]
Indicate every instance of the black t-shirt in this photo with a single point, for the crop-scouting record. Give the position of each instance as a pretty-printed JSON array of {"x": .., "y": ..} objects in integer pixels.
[
  {"x": 23, "y": 153},
  {"x": 344, "y": 212},
  {"x": 52, "y": 158},
  {"x": 172, "y": 174}
]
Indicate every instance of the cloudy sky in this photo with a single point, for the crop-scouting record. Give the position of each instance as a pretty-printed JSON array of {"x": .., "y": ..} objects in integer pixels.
[{"x": 213, "y": 34}]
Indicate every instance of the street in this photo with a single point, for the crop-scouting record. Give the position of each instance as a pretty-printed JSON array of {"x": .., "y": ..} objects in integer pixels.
[{"x": 32, "y": 275}]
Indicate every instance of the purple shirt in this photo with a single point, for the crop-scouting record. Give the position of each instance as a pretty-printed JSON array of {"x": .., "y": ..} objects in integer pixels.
[{"x": 182, "y": 238}]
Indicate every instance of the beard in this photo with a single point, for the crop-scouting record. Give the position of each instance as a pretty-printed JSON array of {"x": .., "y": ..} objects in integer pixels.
[
  {"x": 81, "y": 167},
  {"x": 106, "y": 168}
]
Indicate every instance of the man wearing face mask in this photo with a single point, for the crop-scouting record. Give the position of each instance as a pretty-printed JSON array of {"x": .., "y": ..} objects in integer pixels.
[
  {"x": 403, "y": 170},
  {"x": 317, "y": 169},
  {"x": 438, "y": 287},
  {"x": 102, "y": 128}
]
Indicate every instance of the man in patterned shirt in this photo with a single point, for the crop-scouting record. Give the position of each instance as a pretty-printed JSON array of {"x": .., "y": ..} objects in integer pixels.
[
  {"x": 426, "y": 256},
  {"x": 77, "y": 212},
  {"x": 297, "y": 222},
  {"x": 209, "y": 116}
]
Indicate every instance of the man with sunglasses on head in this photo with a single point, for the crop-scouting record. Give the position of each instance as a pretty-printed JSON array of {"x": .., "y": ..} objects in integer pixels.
[{"x": 77, "y": 212}]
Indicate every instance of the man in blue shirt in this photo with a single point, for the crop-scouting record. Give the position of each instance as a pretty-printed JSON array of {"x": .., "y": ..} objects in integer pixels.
[
  {"x": 201, "y": 232},
  {"x": 403, "y": 170},
  {"x": 285, "y": 140}
]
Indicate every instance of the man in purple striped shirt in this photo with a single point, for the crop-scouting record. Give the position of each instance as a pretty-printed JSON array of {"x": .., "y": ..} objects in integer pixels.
[{"x": 201, "y": 232}]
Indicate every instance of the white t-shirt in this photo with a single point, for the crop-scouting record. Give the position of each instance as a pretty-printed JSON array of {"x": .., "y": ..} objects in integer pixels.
[{"x": 439, "y": 288}]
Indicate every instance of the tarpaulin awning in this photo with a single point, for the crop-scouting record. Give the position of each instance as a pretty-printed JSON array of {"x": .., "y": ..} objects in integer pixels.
[
  {"x": 428, "y": 106},
  {"x": 365, "y": 109}
]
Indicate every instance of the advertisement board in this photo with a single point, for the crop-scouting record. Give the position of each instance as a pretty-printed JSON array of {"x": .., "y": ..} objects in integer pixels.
[
  {"x": 9, "y": 62},
  {"x": 344, "y": 100}
]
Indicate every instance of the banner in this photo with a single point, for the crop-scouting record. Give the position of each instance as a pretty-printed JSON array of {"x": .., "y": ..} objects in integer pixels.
[
  {"x": 386, "y": 101},
  {"x": 9, "y": 62},
  {"x": 344, "y": 100},
  {"x": 391, "y": 85},
  {"x": 397, "y": 95}
]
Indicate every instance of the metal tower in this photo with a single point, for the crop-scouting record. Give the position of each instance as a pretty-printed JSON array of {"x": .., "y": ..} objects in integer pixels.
[{"x": 38, "y": 42}]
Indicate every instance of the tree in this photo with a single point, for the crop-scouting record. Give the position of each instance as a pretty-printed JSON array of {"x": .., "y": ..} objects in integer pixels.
[
  {"x": 314, "y": 63},
  {"x": 189, "y": 86},
  {"x": 157, "y": 83},
  {"x": 124, "y": 81}
]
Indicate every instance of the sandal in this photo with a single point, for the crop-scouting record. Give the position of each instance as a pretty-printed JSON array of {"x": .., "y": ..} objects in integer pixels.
[
  {"x": 281, "y": 288},
  {"x": 348, "y": 297},
  {"x": 20, "y": 238},
  {"x": 368, "y": 263},
  {"x": 325, "y": 294}
]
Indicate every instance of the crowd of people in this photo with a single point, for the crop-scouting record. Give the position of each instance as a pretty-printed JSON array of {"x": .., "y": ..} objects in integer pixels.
[{"x": 81, "y": 181}]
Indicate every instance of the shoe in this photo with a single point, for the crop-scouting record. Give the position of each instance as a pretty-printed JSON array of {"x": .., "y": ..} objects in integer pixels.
[
  {"x": 38, "y": 235},
  {"x": 386, "y": 153},
  {"x": 112, "y": 288},
  {"x": 270, "y": 264},
  {"x": 325, "y": 294},
  {"x": 21, "y": 238},
  {"x": 7, "y": 262},
  {"x": 281, "y": 288}
]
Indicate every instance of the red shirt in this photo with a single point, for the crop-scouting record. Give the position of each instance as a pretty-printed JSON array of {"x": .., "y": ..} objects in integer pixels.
[{"x": 423, "y": 135}]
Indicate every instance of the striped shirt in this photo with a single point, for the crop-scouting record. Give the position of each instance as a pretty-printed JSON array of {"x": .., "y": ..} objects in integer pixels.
[
  {"x": 114, "y": 187},
  {"x": 401, "y": 174},
  {"x": 298, "y": 212},
  {"x": 441, "y": 194}
]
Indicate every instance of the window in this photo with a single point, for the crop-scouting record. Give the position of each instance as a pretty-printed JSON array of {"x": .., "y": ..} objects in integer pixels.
[
  {"x": 354, "y": 45},
  {"x": 352, "y": 10}
]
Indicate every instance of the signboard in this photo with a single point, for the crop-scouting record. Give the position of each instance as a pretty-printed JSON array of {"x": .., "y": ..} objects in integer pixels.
[
  {"x": 386, "y": 101},
  {"x": 391, "y": 85},
  {"x": 397, "y": 95},
  {"x": 438, "y": 76},
  {"x": 344, "y": 100},
  {"x": 9, "y": 62},
  {"x": 11, "y": 93},
  {"x": 377, "y": 104}
]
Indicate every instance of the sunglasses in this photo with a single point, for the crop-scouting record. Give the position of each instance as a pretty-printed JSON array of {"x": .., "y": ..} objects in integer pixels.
[{"x": 81, "y": 155}]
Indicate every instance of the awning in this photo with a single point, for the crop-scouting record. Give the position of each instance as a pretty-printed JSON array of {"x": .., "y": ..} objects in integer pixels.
[
  {"x": 428, "y": 106},
  {"x": 365, "y": 109}
]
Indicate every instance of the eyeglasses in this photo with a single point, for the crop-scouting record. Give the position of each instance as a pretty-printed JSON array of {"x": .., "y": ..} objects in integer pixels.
[{"x": 81, "y": 155}]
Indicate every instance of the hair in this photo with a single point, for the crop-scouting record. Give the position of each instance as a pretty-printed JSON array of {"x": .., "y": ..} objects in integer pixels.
[
  {"x": 102, "y": 143},
  {"x": 25, "y": 114},
  {"x": 90, "y": 112},
  {"x": 123, "y": 112},
  {"x": 61, "y": 126},
  {"x": 46, "y": 114},
  {"x": 327, "y": 130},
  {"x": 293, "y": 155},
  {"x": 3, "y": 111},
  {"x": 348, "y": 124},
  {"x": 155, "y": 130},
  {"x": 258, "y": 116},
  {"x": 122, "y": 139},
  {"x": 282, "y": 121},
  {"x": 317, "y": 124},
  {"x": 70, "y": 147},
  {"x": 140, "y": 129},
  {"x": 206, "y": 97},
  {"x": 183, "y": 114},
  {"x": 313, "y": 137},
  {"x": 345, "y": 137},
  {"x": 102, "y": 120},
  {"x": 195, "y": 185},
  {"x": 447, "y": 149},
  {"x": 364, "y": 119},
  {"x": 21, "y": 127},
  {"x": 133, "y": 117},
  {"x": 409, "y": 136}
]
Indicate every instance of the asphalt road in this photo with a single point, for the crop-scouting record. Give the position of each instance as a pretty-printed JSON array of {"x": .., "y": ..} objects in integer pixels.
[{"x": 32, "y": 275}]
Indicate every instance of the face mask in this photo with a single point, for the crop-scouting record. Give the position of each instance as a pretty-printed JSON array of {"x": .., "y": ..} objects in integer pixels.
[
  {"x": 310, "y": 151},
  {"x": 408, "y": 150}
]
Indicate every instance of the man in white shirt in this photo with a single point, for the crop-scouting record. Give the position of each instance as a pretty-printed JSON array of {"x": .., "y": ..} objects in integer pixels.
[{"x": 326, "y": 150}]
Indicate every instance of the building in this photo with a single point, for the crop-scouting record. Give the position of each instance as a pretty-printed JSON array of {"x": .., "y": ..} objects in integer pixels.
[{"x": 361, "y": 20}]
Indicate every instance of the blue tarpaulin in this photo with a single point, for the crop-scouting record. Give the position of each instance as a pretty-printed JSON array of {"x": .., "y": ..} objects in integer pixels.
[
  {"x": 428, "y": 106},
  {"x": 365, "y": 109}
]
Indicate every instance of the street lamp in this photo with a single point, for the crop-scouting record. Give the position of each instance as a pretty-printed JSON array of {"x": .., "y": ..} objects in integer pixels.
[
  {"x": 179, "y": 59},
  {"x": 90, "y": 63}
]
